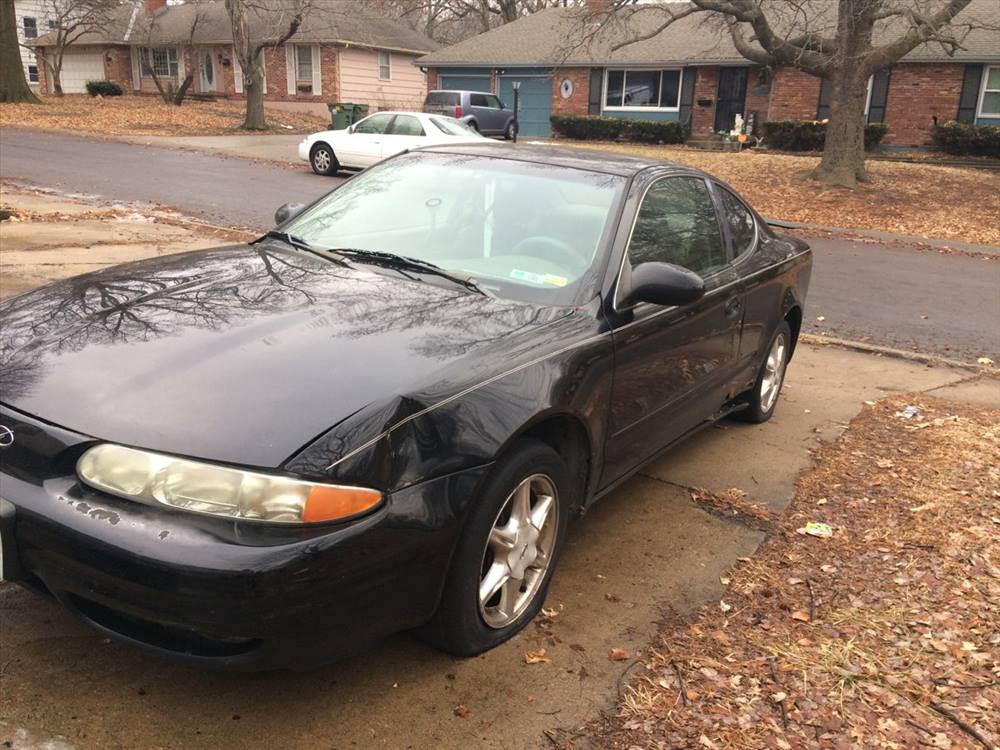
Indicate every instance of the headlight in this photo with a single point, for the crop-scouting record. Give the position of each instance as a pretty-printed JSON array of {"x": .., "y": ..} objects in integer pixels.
[{"x": 156, "y": 479}]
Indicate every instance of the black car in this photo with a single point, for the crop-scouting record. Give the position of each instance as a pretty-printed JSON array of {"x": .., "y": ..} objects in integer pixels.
[{"x": 381, "y": 415}]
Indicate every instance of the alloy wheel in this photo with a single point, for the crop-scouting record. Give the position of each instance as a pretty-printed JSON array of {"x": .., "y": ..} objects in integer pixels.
[
  {"x": 774, "y": 373},
  {"x": 519, "y": 551},
  {"x": 322, "y": 159}
]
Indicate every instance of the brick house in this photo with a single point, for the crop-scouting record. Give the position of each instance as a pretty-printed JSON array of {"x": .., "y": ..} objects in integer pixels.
[
  {"x": 691, "y": 72},
  {"x": 340, "y": 53}
]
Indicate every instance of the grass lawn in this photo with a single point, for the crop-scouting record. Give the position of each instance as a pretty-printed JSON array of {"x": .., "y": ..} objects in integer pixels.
[
  {"x": 884, "y": 635},
  {"x": 147, "y": 115},
  {"x": 917, "y": 199}
]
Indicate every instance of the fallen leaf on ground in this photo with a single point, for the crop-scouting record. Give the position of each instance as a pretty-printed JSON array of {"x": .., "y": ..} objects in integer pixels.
[
  {"x": 536, "y": 657},
  {"x": 462, "y": 711},
  {"x": 618, "y": 654}
]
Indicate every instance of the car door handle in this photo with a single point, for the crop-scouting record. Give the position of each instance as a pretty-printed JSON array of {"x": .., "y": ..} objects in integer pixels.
[{"x": 733, "y": 307}]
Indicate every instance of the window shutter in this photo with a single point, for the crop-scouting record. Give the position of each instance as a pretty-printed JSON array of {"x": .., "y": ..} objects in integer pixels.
[
  {"x": 880, "y": 94},
  {"x": 596, "y": 84},
  {"x": 136, "y": 71},
  {"x": 237, "y": 74},
  {"x": 969, "y": 100},
  {"x": 290, "y": 68},
  {"x": 317, "y": 73},
  {"x": 687, "y": 96},
  {"x": 823, "y": 105}
]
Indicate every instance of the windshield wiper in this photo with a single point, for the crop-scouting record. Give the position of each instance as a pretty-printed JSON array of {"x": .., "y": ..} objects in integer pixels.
[
  {"x": 288, "y": 239},
  {"x": 403, "y": 262}
]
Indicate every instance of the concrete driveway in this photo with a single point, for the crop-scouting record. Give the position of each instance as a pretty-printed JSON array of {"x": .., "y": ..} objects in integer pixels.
[{"x": 645, "y": 547}]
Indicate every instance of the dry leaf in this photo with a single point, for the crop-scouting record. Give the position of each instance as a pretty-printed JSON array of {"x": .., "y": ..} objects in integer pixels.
[
  {"x": 618, "y": 654},
  {"x": 536, "y": 657},
  {"x": 800, "y": 615},
  {"x": 462, "y": 711}
]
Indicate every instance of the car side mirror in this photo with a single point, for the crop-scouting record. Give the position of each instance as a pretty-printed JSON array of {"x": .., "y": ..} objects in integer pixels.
[
  {"x": 350, "y": 129},
  {"x": 288, "y": 211},
  {"x": 665, "y": 284}
]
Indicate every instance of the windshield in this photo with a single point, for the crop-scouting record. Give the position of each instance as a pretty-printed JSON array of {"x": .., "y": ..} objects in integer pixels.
[
  {"x": 451, "y": 126},
  {"x": 517, "y": 229}
]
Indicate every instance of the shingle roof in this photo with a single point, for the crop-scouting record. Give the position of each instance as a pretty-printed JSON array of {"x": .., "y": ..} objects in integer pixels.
[
  {"x": 565, "y": 36},
  {"x": 329, "y": 21}
]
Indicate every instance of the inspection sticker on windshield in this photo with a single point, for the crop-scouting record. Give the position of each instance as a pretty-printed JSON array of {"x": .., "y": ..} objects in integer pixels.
[{"x": 538, "y": 278}]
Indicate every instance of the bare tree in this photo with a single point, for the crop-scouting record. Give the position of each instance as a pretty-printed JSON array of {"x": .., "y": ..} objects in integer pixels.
[
  {"x": 170, "y": 90},
  {"x": 452, "y": 20},
  {"x": 13, "y": 87},
  {"x": 845, "y": 41},
  {"x": 71, "y": 20},
  {"x": 259, "y": 25}
]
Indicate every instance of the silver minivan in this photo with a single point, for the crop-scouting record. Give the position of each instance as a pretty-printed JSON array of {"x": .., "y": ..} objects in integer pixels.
[{"x": 477, "y": 109}]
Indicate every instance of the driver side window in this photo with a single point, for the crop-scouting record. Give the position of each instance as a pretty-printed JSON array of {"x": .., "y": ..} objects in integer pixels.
[
  {"x": 374, "y": 125},
  {"x": 677, "y": 224}
]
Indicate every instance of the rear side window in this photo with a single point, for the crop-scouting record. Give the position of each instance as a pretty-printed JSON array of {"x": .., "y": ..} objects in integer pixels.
[
  {"x": 407, "y": 125},
  {"x": 443, "y": 98},
  {"x": 739, "y": 218},
  {"x": 677, "y": 224}
]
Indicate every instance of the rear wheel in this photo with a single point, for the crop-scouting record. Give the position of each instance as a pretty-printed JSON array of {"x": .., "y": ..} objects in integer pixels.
[
  {"x": 509, "y": 548},
  {"x": 763, "y": 397},
  {"x": 474, "y": 125},
  {"x": 323, "y": 160}
]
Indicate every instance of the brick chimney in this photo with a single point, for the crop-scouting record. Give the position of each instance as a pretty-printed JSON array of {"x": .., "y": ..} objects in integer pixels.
[
  {"x": 599, "y": 7},
  {"x": 151, "y": 6}
]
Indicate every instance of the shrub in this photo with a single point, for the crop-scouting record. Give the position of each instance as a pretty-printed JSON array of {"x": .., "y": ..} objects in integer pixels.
[
  {"x": 593, "y": 128},
  {"x": 961, "y": 139},
  {"x": 802, "y": 135},
  {"x": 103, "y": 88}
]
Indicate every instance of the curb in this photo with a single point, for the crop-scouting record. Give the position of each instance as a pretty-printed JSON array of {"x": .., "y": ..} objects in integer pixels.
[
  {"x": 968, "y": 247},
  {"x": 888, "y": 351}
]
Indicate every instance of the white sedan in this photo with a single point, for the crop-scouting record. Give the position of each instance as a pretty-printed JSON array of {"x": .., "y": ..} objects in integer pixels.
[{"x": 380, "y": 136}]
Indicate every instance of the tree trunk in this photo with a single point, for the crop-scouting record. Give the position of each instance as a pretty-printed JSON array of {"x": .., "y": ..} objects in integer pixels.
[
  {"x": 56, "y": 72},
  {"x": 843, "y": 162},
  {"x": 13, "y": 87},
  {"x": 254, "y": 119},
  {"x": 182, "y": 91}
]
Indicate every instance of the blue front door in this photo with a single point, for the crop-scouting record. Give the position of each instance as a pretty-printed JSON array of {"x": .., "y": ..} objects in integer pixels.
[{"x": 535, "y": 106}]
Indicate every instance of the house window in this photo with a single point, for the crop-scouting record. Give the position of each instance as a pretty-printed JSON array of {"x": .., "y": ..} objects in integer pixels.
[
  {"x": 30, "y": 26},
  {"x": 989, "y": 102},
  {"x": 32, "y": 74},
  {"x": 304, "y": 69},
  {"x": 642, "y": 89},
  {"x": 162, "y": 61},
  {"x": 384, "y": 66},
  {"x": 53, "y": 24}
]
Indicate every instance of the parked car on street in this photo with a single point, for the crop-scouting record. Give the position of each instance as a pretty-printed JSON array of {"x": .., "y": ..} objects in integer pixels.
[
  {"x": 382, "y": 414},
  {"x": 481, "y": 111},
  {"x": 378, "y": 137}
]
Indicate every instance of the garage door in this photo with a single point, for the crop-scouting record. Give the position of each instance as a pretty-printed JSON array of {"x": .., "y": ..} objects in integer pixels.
[
  {"x": 465, "y": 83},
  {"x": 535, "y": 106},
  {"x": 80, "y": 67}
]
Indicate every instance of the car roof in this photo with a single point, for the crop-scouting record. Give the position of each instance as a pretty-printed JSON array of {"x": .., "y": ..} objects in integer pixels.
[{"x": 561, "y": 156}]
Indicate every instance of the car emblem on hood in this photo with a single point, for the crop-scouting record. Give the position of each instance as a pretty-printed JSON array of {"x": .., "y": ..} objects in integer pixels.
[{"x": 6, "y": 436}]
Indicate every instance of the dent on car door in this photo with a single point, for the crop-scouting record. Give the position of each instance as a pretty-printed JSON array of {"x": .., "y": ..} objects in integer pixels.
[
  {"x": 363, "y": 147},
  {"x": 672, "y": 364},
  {"x": 759, "y": 285}
]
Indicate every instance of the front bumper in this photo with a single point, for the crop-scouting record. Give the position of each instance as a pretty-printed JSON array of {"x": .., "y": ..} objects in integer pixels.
[
  {"x": 304, "y": 147},
  {"x": 232, "y": 593}
]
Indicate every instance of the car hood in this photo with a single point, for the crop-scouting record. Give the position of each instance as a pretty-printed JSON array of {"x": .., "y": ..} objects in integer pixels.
[{"x": 241, "y": 354}]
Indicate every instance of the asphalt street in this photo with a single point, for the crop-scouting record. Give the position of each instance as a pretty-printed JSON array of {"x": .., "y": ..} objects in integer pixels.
[{"x": 884, "y": 294}]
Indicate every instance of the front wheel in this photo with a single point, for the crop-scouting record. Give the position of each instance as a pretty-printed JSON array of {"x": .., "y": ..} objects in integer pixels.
[
  {"x": 763, "y": 397},
  {"x": 509, "y": 548},
  {"x": 323, "y": 160},
  {"x": 510, "y": 131}
]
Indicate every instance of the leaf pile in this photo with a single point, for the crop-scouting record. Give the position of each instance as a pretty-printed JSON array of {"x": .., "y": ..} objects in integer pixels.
[
  {"x": 147, "y": 115},
  {"x": 884, "y": 635},
  {"x": 923, "y": 200}
]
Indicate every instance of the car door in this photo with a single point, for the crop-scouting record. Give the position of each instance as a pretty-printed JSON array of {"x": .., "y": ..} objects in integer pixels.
[
  {"x": 481, "y": 112},
  {"x": 672, "y": 364},
  {"x": 496, "y": 113},
  {"x": 362, "y": 146},
  {"x": 405, "y": 132}
]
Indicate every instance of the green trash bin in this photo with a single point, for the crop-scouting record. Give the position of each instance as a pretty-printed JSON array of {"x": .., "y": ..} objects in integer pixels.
[
  {"x": 341, "y": 114},
  {"x": 360, "y": 112}
]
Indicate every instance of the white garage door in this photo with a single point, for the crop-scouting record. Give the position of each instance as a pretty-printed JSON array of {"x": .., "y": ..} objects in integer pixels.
[{"x": 80, "y": 67}]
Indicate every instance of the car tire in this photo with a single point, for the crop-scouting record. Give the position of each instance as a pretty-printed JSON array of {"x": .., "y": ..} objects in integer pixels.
[
  {"x": 465, "y": 624},
  {"x": 762, "y": 399},
  {"x": 509, "y": 131},
  {"x": 474, "y": 125},
  {"x": 323, "y": 160}
]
